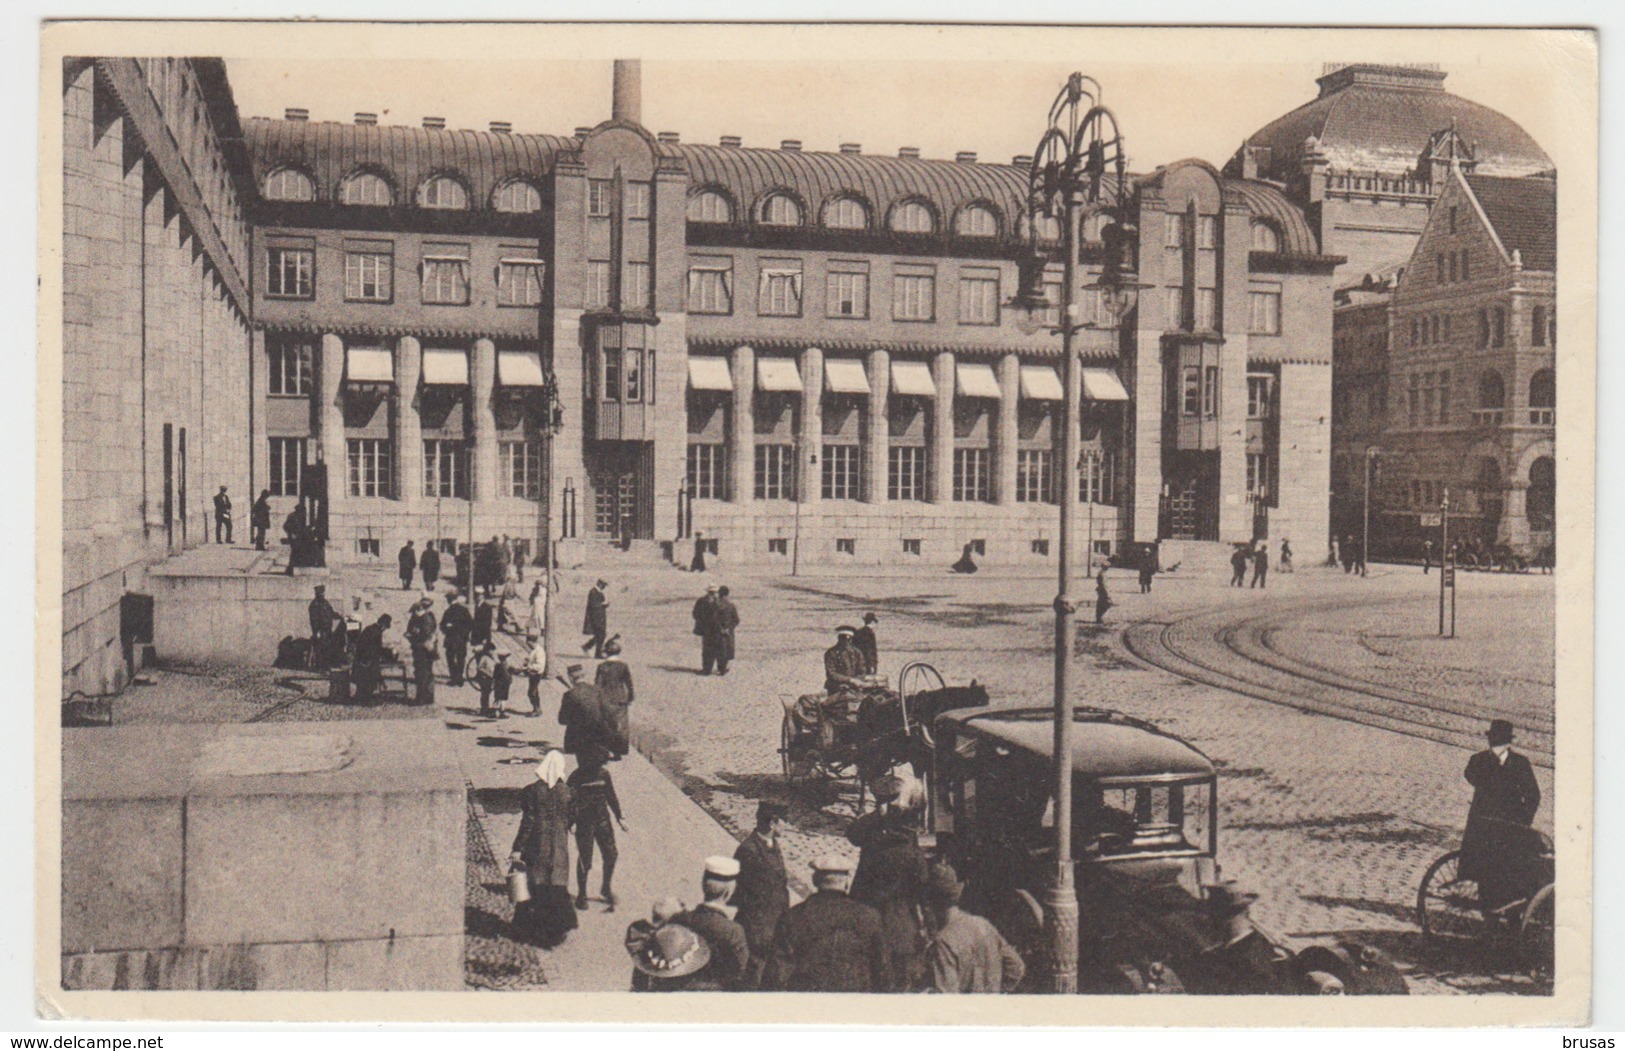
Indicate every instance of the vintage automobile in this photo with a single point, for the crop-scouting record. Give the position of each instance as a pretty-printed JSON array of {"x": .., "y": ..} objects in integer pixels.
[{"x": 1155, "y": 914}]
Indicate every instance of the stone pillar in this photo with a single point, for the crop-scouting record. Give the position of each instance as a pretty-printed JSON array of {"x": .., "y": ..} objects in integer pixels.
[
  {"x": 876, "y": 428},
  {"x": 809, "y": 472},
  {"x": 941, "y": 487},
  {"x": 259, "y": 453},
  {"x": 1145, "y": 376},
  {"x": 482, "y": 379},
  {"x": 330, "y": 446},
  {"x": 408, "y": 429},
  {"x": 1514, "y": 525},
  {"x": 742, "y": 425},
  {"x": 1009, "y": 433}
]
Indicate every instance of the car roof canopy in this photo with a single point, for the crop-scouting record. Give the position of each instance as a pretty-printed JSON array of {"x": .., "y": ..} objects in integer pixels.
[{"x": 1106, "y": 746}]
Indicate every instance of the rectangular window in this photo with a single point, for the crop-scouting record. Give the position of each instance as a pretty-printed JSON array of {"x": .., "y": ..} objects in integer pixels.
[
  {"x": 778, "y": 545},
  {"x": 778, "y": 290},
  {"x": 1033, "y": 484},
  {"x": 1173, "y": 229},
  {"x": 637, "y": 200},
  {"x": 370, "y": 466},
  {"x": 445, "y": 274},
  {"x": 1439, "y": 267},
  {"x": 708, "y": 472},
  {"x": 290, "y": 272},
  {"x": 599, "y": 192},
  {"x": 290, "y": 368},
  {"x": 1444, "y": 328},
  {"x": 1413, "y": 401},
  {"x": 711, "y": 286},
  {"x": 445, "y": 468},
  {"x": 1052, "y": 302},
  {"x": 905, "y": 472},
  {"x": 1444, "y": 397},
  {"x": 1451, "y": 224},
  {"x": 1258, "y": 397},
  {"x": 1483, "y": 328},
  {"x": 520, "y": 467},
  {"x": 368, "y": 276},
  {"x": 971, "y": 482},
  {"x": 367, "y": 545},
  {"x": 841, "y": 472},
  {"x": 775, "y": 472},
  {"x": 1430, "y": 399},
  {"x": 1207, "y": 310},
  {"x": 1451, "y": 261},
  {"x": 846, "y": 293},
  {"x": 1190, "y": 391},
  {"x": 1207, "y": 231},
  {"x": 519, "y": 282},
  {"x": 911, "y": 546},
  {"x": 1210, "y": 392},
  {"x": 597, "y": 284},
  {"x": 1258, "y": 476},
  {"x": 1466, "y": 268},
  {"x": 287, "y": 466},
  {"x": 1537, "y": 326},
  {"x": 1264, "y": 311},
  {"x": 1097, "y": 477},
  {"x": 846, "y": 545},
  {"x": 1498, "y": 329},
  {"x": 979, "y": 297},
  {"x": 1041, "y": 547},
  {"x": 635, "y": 293},
  {"x": 914, "y": 294},
  {"x": 1415, "y": 335},
  {"x": 1176, "y": 308}
]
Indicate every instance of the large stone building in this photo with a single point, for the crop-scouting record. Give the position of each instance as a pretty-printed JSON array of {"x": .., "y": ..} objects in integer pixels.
[{"x": 158, "y": 378}]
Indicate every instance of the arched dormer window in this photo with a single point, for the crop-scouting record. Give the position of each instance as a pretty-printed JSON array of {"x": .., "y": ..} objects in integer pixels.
[
  {"x": 709, "y": 206},
  {"x": 289, "y": 184},
  {"x": 846, "y": 213},
  {"x": 1266, "y": 238},
  {"x": 977, "y": 220},
  {"x": 913, "y": 217},
  {"x": 442, "y": 191},
  {"x": 780, "y": 209},
  {"x": 517, "y": 196},
  {"x": 1492, "y": 393},
  {"x": 366, "y": 188}
]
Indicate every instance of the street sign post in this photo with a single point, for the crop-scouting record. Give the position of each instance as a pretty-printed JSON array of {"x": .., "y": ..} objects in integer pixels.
[{"x": 1447, "y": 563}]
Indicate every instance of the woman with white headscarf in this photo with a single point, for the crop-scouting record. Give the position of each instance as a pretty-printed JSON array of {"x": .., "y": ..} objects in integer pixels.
[{"x": 543, "y": 846}]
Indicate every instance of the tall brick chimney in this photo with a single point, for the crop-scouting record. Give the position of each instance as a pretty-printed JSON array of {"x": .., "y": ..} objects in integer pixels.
[{"x": 627, "y": 101}]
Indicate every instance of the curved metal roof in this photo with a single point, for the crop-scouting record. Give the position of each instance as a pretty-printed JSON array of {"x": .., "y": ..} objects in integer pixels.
[
  {"x": 329, "y": 151},
  {"x": 1378, "y": 118},
  {"x": 1105, "y": 745}
]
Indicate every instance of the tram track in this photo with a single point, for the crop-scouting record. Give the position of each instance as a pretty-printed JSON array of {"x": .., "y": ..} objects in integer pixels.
[{"x": 1242, "y": 656}]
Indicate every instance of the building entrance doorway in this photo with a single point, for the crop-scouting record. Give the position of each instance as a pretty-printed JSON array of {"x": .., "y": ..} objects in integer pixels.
[
  {"x": 622, "y": 479},
  {"x": 1193, "y": 496}
]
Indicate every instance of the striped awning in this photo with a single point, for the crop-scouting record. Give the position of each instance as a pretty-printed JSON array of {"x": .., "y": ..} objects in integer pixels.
[
  {"x": 1040, "y": 383},
  {"x": 709, "y": 374},
  {"x": 777, "y": 374},
  {"x": 369, "y": 365},
  {"x": 976, "y": 381},
  {"x": 913, "y": 377},
  {"x": 518, "y": 368},
  {"x": 447, "y": 367},
  {"x": 842, "y": 376},
  {"x": 1103, "y": 385}
]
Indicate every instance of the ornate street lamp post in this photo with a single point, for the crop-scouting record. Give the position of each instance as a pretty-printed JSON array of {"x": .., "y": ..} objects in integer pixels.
[{"x": 1069, "y": 179}]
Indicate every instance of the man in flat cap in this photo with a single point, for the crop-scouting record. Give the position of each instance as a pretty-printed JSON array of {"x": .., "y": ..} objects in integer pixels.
[
  {"x": 1497, "y": 838},
  {"x": 968, "y": 954},
  {"x": 864, "y": 639},
  {"x": 715, "y": 921},
  {"x": 829, "y": 943},
  {"x": 763, "y": 894}
]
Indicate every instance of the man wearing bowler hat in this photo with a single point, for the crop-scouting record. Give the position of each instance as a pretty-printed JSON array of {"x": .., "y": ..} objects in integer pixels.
[
  {"x": 1497, "y": 838},
  {"x": 763, "y": 894},
  {"x": 715, "y": 921},
  {"x": 864, "y": 639},
  {"x": 829, "y": 943}
]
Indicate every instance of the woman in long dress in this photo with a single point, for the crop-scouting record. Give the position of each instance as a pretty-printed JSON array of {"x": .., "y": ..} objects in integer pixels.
[{"x": 543, "y": 845}]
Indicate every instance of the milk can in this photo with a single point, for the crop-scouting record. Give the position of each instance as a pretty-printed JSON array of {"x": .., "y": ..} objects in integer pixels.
[{"x": 518, "y": 884}]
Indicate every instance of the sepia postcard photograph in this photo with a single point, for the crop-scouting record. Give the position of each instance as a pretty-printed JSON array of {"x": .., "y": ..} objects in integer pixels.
[{"x": 572, "y": 512}]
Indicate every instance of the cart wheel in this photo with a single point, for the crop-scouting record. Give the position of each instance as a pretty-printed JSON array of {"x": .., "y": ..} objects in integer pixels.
[
  {"x": 786, "y": 738},
  {"x": 1446, "y": 904},
  {"x": 1536, "y": 946}
]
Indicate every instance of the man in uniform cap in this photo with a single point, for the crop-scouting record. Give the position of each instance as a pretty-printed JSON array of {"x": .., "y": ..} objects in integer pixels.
[
  {"x": 713, "y": 919},
  {"x": 843, "y": 663},
  {"x": 1497, "y": 839},
  {"x": 864, "y": 639},
  {"x": 829, "y": 943},
  {"x": 763, "y": 893}
]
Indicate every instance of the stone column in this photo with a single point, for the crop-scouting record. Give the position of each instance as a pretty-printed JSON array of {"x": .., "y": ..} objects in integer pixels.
[
  {"x": 742, "y": 425},
  {"x": 1004, "y": 448},
  {"x": 482, "y": 379},
  {"x": 1145, "y": 375},
  {"x": 408, "y": 429},
  {"x": 941, "y": 487},
  {"x": 330, "y": 444},
  {"x": 259, "y": 452},
  {"x": 810, "y": 471},
  {"x": 1514, "y": 525},
  {"x": 876, "y": 428}
]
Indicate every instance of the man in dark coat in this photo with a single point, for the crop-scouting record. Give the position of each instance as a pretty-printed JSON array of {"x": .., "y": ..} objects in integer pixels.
[
  {"x": 705, "y": 611},
  {"x": 259, "y": 519},
  {"x": 1261, "y": 567},
  {"x": 456, "y": 626},
  {"x": 365, "y": 672},
  {"x": 407, "y": 561},
  {"x": 581, "y": 713},
  {"x": 484, "y": 617},
  {"x": 595, "y": 623},
  {"x": 763, "y": 894},
  {"x": 868, "y": 645},
  {"x": 322, "y": 616},
  {"x": 421, "y": 630},
  {"x": 829, "y": 943},
  {"x": 843, "y": 664},
  {"x": 892, "y": 872},
  {"x": 1498, "y": 840},
  {"x": 429, "y": 564},
  {"x": 222, "y": 516},
  {"x": 725, "y": 624},
  {"x": 1238, "y": 566},
  {"x": 697, "y": 563},
  {"x": 715, "y": 921}
]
